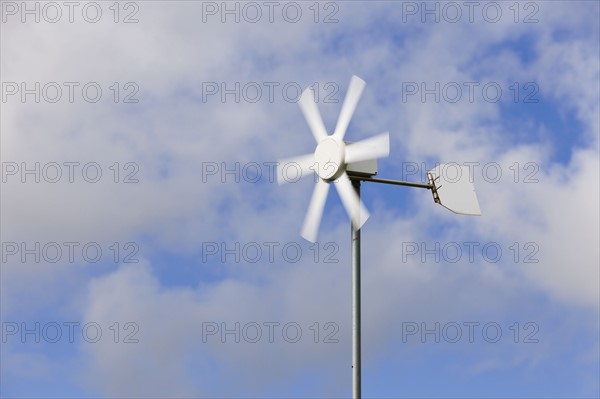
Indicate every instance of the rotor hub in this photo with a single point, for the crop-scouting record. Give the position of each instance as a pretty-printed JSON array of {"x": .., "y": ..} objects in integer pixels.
[{"x": 329, "y": 158}]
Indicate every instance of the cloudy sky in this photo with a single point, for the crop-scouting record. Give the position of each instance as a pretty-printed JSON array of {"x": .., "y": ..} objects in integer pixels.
[{"x": 148, "y": 251}]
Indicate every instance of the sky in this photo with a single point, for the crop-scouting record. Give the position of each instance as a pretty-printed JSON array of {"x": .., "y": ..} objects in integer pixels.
[{"x": 148, "y": 251}]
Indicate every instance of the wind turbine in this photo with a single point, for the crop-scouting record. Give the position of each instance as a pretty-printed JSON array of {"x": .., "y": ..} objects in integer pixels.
[
  {"x": 346, "y": 165},
  {"x": 331, "y": 158}
]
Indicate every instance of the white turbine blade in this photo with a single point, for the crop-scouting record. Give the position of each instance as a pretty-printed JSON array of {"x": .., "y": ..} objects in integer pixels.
[
  {"x": 454, "y": 189},
  {"x": 354, "y": 206},
  {"x": 371, "y": 148},
  {"x": 312, "y": 220},
  {"x": 312, "y": 115},
  {"x": 354, "y": 91},
  {"x": 293, "y": 169}
]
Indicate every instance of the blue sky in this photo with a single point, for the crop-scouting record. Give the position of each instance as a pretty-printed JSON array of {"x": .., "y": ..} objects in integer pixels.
[{"x": 200, "y": 248}]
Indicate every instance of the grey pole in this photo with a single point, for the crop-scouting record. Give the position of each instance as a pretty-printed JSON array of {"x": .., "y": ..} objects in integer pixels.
[
  {"x": 355, "y": 254},
  {"x": 356, "y": 362}
]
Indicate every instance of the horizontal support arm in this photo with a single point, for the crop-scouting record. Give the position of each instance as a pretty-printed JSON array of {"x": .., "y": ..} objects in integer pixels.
[{"x": 388, "y": 181}]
